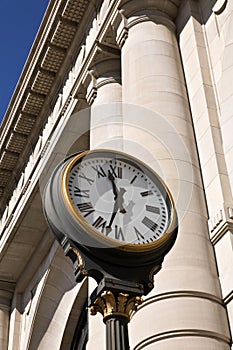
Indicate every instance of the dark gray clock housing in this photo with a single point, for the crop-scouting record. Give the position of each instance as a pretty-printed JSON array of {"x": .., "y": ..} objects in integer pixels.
[{"x": 114, "y": 211}]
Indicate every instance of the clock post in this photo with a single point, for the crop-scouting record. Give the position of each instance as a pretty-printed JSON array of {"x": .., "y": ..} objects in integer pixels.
[
  {"x": 117, "y": 307},
  {"x": 116, "y": 299},
  {"x": 115, "y": 219}
]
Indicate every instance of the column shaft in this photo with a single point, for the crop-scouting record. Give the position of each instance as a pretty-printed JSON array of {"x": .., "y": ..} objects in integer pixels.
[
  {"x": 187, "y": 299},
  {"x": 106, "y": 108},
  {"x": 117, "y": 333},
  {"x": 5, "y": 298}
]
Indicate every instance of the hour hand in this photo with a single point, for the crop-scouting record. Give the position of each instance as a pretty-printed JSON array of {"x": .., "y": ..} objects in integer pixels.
[{"x": 109, "y": 227}]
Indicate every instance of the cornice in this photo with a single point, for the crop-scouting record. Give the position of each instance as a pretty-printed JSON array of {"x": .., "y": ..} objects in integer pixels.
[
  {"x": 34, "y": 92},
  {"x": 71, "y": 93}
]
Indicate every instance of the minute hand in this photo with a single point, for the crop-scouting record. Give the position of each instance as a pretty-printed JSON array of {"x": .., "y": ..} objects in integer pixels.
[
  {"x": 118, "y": 201},
  {"x": 114, "y": 188},
  {"x": 118, "y": 195}
]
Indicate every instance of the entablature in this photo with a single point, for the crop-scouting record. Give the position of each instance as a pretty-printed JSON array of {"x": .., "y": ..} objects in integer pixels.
[{"x": 39, "y": 83}]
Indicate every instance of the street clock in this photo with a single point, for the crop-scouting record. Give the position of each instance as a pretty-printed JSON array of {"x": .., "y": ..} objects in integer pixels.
[{"x": 114, "y": 209}]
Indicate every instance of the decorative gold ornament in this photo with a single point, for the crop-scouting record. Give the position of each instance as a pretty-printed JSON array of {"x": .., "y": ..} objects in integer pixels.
[
  {"x": 116, "y": 304},
  {"x": 81, "y": 261}
]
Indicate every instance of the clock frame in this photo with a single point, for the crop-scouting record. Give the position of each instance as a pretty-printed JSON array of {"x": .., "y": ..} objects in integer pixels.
[{"x": 99, "y": 238}]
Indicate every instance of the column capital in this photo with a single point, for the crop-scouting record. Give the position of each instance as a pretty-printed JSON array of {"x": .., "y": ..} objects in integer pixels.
[
  {"x": 134, "y": 12},
  {"x": 111, "y": 304},
  {"x": 168, "y": 8},
  {"x": 101, "y": 73}
]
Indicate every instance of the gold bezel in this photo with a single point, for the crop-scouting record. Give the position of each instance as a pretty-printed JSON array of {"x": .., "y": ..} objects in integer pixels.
[{"x": 94, "y": 233}]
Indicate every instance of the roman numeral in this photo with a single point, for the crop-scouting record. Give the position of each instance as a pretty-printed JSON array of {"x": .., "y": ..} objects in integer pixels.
[
  {"x": 83, "y": 176},
  {"x": 138, "y": 234},
  {"x": 119, "y": 172},
  {"x": 81, "y": 193},
  {"x": 100, "y": 171},
  {"x": 119, "y": 233},
  {"x": 149, "y": 223},
  {"x": 100, "y": 223},
  {"x": 152, "y": 209},
  {"x": 115, "y": 171},
  {"x": 146, "y": 193},
  {"x": 86, "y": 208}
]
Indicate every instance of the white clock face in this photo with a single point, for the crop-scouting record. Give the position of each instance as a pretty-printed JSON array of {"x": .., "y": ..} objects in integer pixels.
[{"x": 119, "y": 197}]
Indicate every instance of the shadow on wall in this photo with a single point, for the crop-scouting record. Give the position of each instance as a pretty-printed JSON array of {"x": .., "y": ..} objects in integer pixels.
[
  {"x": 200, "y": 10},
  {"x": 58, "y": 307}
]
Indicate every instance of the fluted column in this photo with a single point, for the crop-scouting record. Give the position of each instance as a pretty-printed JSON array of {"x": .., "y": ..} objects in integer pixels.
[
  {"x": 185, "y": 310},
  {"x": 104, "y": 94}
]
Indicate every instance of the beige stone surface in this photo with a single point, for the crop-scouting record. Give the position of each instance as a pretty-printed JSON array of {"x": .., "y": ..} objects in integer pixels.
[
  {"x": 165, "y": 95},
  {"x": 184, "y": 268}
]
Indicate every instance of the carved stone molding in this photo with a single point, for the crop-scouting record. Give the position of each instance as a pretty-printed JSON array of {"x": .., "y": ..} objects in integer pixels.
[
  {"x": 141, "y": 15},
  {"x": 106, "y": 68},
  {"x": 49, "y": 59},
  {"x": 123, "y": 29},
  {"x": 111, "y": 304},
  {"x": 102, "y": 73},
  {"x": 109, "y": 37},
  {"x": 91, "y": 88},
  {"x": 221, "y": 223},
  {"x": 168, "y": 8}
]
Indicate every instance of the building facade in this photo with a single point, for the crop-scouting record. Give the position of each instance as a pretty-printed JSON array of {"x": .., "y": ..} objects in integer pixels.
[{"x": 151, "y": 78}]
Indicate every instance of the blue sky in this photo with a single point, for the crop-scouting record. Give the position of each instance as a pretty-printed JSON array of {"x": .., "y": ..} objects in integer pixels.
[{"x": 19, "y": 23}]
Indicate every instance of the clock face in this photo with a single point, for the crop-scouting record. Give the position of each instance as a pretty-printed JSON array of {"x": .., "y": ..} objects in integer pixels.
[{"x": 118, "y": 197}]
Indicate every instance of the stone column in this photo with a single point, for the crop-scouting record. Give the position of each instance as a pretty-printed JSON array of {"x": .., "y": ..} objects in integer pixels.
[
  {"x": 104, "y": 94},
  {"x": 5, "y": 298},
  {"x": 185, "y": 310}
]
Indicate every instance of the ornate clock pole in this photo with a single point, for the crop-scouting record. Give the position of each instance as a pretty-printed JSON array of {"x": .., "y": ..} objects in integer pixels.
[
  {"x": 117, "y": 309},
  {"x": 115, "y": 218}
]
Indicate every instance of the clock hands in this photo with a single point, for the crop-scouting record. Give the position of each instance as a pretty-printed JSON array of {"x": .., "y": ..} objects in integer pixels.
[
  {"x": 118, "y": 198},
  {"x": 114, "y": 188}
]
